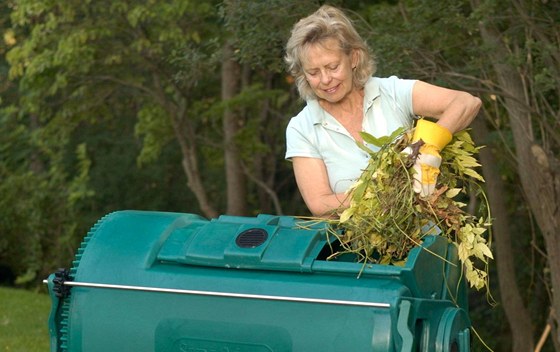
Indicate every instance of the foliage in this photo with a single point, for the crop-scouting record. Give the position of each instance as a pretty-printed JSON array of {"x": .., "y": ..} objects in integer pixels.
[
  {"x": 261, "y": 28},
  {"x": 101, "y": 83},
  {"x": 155, "y": 130},
  {"x": 119, "y": 181},
  {"x": 79, "y": 65},
  {"x": 414, "y": 40},
  {"x": 441, "y": 42},
  {"x": 386, "y": 218},
  {"x": 38, "y": 199}
]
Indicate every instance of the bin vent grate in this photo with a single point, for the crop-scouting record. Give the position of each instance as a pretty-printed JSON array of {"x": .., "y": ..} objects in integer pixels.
[{"x": 251, "y": 238}]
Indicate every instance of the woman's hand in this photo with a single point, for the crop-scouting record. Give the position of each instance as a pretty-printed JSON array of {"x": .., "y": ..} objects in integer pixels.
[{"x": 454, "y": 111}]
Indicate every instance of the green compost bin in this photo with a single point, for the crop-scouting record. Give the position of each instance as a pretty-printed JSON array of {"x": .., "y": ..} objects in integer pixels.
[{"x": 157, "y": 281}]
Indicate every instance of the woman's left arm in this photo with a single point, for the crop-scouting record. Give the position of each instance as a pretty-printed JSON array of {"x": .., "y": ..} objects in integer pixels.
[{"x": 453, "y": 109}]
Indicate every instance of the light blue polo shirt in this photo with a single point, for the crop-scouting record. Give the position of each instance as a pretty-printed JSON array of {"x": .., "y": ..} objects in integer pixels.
[{"x": 314, "y": 133}]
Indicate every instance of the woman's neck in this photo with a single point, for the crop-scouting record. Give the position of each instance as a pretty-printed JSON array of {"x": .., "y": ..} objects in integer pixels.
[
  {"x": 348, "y": 112},
  {"x": 351, "y": 104},
  {"x": 350, "y": 107}
]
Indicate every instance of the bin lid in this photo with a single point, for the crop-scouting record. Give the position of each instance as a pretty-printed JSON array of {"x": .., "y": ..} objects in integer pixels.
[{"x": 263, "y": 242}]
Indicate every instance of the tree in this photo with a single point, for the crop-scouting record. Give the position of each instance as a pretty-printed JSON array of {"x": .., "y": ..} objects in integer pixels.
[
  {"x": 528, "y": 86},
  {"x": 84, "y": 58},
  {"x": 257, "y": 31},
  {"x": 164, "y": 59},
  {"x": 37, "y": 216},
  {"x": 481, "y": 47},
  {"x": 236, "y": 180}
]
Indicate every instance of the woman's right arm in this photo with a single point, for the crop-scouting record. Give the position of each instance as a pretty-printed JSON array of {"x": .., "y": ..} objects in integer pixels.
[{"x": 313, "y": 183}]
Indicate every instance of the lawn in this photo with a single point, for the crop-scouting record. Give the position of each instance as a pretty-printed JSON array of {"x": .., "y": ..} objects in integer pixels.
[{"x": 23, "y": 320}]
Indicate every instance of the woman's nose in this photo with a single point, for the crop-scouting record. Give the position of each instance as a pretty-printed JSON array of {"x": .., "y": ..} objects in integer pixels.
[{"x": 325, "y": 77}]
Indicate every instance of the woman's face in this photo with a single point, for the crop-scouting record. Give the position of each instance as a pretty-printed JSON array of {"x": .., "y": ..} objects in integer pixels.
[{"x": 328, "y": 70}]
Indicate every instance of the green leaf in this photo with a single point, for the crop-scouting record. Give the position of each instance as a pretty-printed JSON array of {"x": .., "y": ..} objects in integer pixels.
[
  {"x": 452, "y": 193},
  {"x": 381, "y": 141},
  {"x": 474, "y": 174},
  {"x": 378, "y": 142}
]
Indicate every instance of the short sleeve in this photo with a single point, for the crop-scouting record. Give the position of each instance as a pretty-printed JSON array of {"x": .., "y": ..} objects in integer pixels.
[
  {"x": 399, "y": 93},
  {"x": 300, "y": 138}
]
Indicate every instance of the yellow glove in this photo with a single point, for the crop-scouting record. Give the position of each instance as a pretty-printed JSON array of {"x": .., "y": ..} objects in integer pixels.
[{"x": 431, "y": 138}]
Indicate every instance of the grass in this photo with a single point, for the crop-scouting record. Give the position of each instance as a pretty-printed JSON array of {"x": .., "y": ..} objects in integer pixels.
[{"x": 23, "y": 320}]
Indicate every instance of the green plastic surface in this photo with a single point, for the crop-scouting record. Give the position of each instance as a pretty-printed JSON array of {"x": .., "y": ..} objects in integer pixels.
[{"x": 154, "y": 281}]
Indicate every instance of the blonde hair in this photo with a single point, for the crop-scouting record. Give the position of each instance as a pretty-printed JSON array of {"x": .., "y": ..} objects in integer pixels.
[{"x": 326, "y": 23}]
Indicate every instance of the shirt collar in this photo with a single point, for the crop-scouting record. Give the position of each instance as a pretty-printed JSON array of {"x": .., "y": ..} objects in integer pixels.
[{"x": 371, "y": 92}]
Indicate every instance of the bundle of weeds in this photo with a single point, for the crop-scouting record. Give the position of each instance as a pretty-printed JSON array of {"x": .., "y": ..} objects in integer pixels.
[{"x": 386, "y": 218}]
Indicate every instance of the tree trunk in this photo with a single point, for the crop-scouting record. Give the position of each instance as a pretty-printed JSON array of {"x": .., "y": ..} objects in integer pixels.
[
  {"x": 190, "y": 164},
  {"x": 537, "y": 169},
  {"x": 185, "y": 135},
  {"x": 265, "y": 164},
  {"x": 518, "y": 316},
  {"x": 235, "y": 178}
]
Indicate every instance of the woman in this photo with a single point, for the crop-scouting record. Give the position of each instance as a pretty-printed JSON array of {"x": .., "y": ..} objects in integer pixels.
[{"x": 333, "y": 71}]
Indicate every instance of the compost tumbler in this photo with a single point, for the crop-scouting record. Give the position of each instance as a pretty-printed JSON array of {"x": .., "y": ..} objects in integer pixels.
[{"x": 157, "y": 281}]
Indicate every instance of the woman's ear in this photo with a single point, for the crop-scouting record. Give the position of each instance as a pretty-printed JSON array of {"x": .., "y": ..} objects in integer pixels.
[{"x": 355, "y": 58}]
